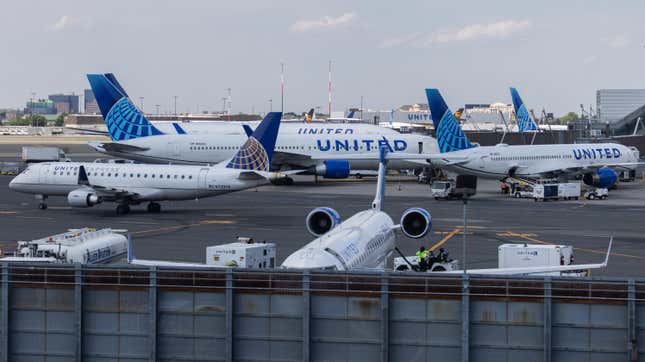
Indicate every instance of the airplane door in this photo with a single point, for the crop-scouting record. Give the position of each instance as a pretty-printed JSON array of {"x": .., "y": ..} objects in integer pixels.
[
  {"x": 483, "y": 160},
  {"x": 174, "y": 147},
  {"x": 420, "y": 147},
  {"x": 201, "y": 179},
  {"x": 45, "y": 174}
]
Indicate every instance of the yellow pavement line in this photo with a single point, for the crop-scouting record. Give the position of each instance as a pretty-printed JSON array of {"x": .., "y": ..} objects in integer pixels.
[
  {"x": 8, "y": 212},
  {"x": 601, "y": 252},
  {"x": 175, "y": 227},
  {"x": 445, "y": 238}
]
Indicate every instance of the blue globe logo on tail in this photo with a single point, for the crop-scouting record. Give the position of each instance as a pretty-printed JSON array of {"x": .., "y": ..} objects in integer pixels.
[
  {"x": 125, "y": 121},
  {"x": 523, "y": 118},
  {"x": 524, "y": 121},
  {"x": 252, "y": 156},
  {"x": 450, "y": 137}
]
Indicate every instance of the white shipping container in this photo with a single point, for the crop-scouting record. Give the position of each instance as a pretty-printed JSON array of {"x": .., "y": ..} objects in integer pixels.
[
  {"x": 534, "y": 255},
  {"x": 242, "y": 254}
]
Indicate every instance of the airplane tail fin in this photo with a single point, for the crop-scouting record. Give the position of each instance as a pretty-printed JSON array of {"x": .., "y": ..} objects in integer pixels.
[
  {"x": 450, "y": 136},
  {"x": 122, "y": 118},
  {"x": 82, "y": 176},
  {"x": 524, "y": 121},
  {"x": 130, "y": 252},
  {"x": 309, "y": 116},
  {"x": 257, "y": 151},
  {"x": 351, "y": 114}
]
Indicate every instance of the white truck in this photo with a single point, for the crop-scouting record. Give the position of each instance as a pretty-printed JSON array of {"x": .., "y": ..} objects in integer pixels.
[
  {"x": 42, "y": 154},
  {"x": 244, "y": 253},
  {"x": 556, "y": 191},
  {"x": 536, "y": 255}
]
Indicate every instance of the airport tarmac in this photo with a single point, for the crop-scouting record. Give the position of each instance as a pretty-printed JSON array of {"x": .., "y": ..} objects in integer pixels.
[{"x": 277, "y": 213}]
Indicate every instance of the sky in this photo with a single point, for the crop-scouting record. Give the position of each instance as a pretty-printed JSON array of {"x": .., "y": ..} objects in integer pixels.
[{"x": 557, "y": 53}]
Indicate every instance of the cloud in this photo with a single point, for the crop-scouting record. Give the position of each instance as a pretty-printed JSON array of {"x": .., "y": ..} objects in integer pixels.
[
  {"x": 589, "y": 59},
  {"x": 63, "y": 22},
  {"x": 500, "y": 29},
  {"x": 497, "y": 30},
  {"x": 616, "y": 41},
  {"x": 326, "y": 22},
  {"x": 400, "y": 40},
  {"x": 67, "y": 22}
]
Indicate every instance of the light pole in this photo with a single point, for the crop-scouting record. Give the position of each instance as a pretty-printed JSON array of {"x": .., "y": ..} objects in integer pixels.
[
  {"x": 270, "y": 105},
  {"x": 175, "y": 98},
  {"x": 141, "y": 102},
  {"x": 157, "y": 107}
]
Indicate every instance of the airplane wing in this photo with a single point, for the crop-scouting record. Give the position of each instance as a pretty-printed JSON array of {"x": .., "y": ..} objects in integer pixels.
[
  {"x": 538, "y": 269},
  {"x": 115, "y": 147}
]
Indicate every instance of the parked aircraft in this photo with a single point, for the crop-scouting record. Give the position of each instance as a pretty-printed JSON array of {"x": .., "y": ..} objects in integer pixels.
[
  {"x": 89, "y": 184},
  {"x": 305, "y": 147},
  {"x": 365, "y": 240},
  {"x": 594, "y": 162}
]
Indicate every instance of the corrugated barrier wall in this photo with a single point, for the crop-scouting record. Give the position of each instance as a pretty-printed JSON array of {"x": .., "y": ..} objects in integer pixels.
[{"x": 79, "y": 313}]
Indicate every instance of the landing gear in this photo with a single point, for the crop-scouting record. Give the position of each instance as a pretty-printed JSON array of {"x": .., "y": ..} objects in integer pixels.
[
  {"x": 122, "y": 209},
  {"x": 288, "y": 181},
  {"x": 43, "y": 201},
  {"x": 154, "y": 208}
]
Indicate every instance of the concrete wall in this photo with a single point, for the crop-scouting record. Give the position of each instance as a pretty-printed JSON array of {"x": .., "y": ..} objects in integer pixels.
[{"x": 108, "y": 314}]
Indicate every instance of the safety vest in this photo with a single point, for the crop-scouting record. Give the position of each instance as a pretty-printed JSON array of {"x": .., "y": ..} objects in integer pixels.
[{"x": 422, "y": 255}]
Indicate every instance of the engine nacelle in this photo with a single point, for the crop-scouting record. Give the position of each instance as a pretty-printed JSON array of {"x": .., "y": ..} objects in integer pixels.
[
  {"x": 604, "y": 177},
  {"x": 416, "y": 222},
  {"x": 333, "y": 169},
  {"x": 83, "y": 198},
  {"x": 322, "y": 219}
]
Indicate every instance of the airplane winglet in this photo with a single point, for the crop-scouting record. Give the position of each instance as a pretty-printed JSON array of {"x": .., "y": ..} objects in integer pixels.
[
  {"x": 380, "y": 182},
  {"x": 178, "y": 128},
  {"x": 611, "y": 241}
]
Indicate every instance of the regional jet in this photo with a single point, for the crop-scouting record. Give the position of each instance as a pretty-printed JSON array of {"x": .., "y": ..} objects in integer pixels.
[
  {"x": 89, "y": 184},
  {"x": 365, "y": 240}
]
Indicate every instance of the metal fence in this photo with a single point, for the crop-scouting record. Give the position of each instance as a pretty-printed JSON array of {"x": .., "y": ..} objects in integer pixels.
[{"x": 82, "y": 313}]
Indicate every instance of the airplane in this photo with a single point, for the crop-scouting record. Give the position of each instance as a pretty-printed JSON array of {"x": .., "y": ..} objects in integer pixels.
[
  {"x": 365, "y": 240},
  {"x": 594, "y": 162},
  {"x": 90, "y": 183},
  {"x": 305, "y": 147},
  {"x": 525, "y": 122}
]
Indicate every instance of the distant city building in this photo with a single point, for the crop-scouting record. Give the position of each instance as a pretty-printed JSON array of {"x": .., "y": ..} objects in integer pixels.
[
  {"x": 90, "y": 106},
  {"x": 614, "y": 104},
  {"x": 41, "y": 106},
  {"x": 488, "y": 113},
  {"x": 65, "y": 103}
]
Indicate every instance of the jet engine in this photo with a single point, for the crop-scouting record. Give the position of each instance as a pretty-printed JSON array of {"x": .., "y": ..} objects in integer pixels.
[
  {"x": 322, "y": 219},
  {"x": 604, "y": 177},
  {"x": 416, "y": 222},
  {"x": 333, "y": 169},
  {"x": 83, "y": 198}
]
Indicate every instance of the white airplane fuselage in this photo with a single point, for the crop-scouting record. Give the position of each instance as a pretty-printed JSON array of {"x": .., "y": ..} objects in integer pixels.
[
  {"x": 151, "y": 182},
  {"x": 309, "y": 143},
  {"x": 365, "y": 240},
  {"x": 536, "y": 160}
]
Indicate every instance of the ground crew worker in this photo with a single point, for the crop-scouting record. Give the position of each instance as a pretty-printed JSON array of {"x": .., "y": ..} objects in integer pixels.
[
  {"x": 422, "y": 258},
  {"x": 443, "y": 256}
]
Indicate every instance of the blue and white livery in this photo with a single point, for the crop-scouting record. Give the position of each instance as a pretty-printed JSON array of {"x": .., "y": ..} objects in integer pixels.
[
  {"x": 88, "y": 184},
  {"x": 305, "y": 147},
  {"x": 595, "y": 162},
  {"x": 525, "y": 122}
]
